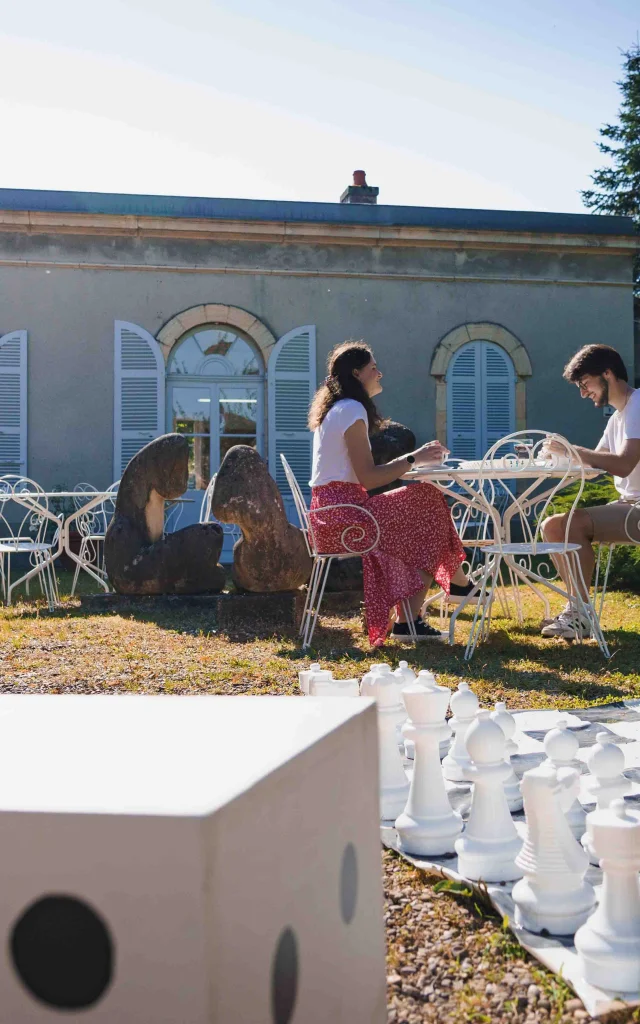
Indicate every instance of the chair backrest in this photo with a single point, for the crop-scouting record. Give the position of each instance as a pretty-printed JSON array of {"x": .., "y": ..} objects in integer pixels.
[
  {"x": 301, "y": 506},
  {"x": 24, "y": 511},
  {"x": 521, "y": 456},
  {"x": 205, "y": 508}
]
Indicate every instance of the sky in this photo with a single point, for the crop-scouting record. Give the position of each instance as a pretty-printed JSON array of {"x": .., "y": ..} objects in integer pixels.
[{"x": 493, "y": 105}]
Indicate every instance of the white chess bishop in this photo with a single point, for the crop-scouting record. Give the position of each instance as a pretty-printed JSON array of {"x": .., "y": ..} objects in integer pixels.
[
  {"x": 305, "y": 675},
  {"x": 405, "y": 672},
  {"x": 428, "y": 825},
  {"x": 507, "y": 723},
  {"x": 605, "y": 762},
  {"x": 488, "y": 848},
  {"x": 608, "y": 944},
  {"x": 553, "y": 896},
  {"x": 464, "y": 705},
  {"x": 561, "y": 746},
  {"x": 394, "y": 784}
]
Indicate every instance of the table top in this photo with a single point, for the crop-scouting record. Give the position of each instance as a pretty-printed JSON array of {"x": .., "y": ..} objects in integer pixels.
[{"x": 521, "y": 469}]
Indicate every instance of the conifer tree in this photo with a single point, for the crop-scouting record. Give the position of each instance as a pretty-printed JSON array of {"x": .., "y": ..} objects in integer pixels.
[{"x": 617, "y": 186}]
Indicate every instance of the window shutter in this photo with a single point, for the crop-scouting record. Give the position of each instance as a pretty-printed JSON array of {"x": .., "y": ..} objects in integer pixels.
[
  {"x": 291, "y": 377},
  {"x": 13, "y": 403},
  {"x": 138, "y": 414},
  {"x": 498, "y": 394},
  {"x": 463, "y": 404}
]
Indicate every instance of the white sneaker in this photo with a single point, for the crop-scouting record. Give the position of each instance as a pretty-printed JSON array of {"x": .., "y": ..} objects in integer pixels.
[{"x": 569, "y": 624}]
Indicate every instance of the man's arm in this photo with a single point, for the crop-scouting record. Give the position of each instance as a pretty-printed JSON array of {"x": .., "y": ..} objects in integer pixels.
[{"x": 617, "y": 465}]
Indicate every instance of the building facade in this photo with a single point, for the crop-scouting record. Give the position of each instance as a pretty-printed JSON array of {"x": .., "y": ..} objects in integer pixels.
[{"x": 123, "y": 317}]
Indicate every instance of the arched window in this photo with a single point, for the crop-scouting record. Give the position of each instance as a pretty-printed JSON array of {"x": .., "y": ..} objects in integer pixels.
[
  {"x": 215, "y": 397},
  {"x": 480, "y": 398}
]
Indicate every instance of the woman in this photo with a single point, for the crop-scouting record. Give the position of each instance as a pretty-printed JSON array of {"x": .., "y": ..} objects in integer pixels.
[{"x": 418, "y": 541}]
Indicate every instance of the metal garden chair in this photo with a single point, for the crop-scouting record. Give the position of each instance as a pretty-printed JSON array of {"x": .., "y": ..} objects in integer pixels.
[
  {"x": 29, "y": 531},
  {"x": 92, "y": 527}
]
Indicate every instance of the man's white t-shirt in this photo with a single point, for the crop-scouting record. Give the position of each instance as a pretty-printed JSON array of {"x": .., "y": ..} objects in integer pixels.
[
  {"x": 624, "y": 426},
  {"x": 330, "y": 456}
]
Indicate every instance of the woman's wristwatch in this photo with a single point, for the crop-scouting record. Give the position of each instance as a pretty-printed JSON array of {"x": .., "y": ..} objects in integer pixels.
[{"x": 411, "y": 459}]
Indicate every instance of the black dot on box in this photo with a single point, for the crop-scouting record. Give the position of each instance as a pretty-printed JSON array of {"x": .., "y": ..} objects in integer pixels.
[
  {"x": 349, "y": 883},
  {"x": 284, "y": 977},
  {"x": 62, "y": 952}
]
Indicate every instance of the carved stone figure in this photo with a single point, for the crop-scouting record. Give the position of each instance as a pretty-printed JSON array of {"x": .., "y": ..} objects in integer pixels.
[
  {"x": 271, "y": 555},
  {"x": 139, "y": 559}
]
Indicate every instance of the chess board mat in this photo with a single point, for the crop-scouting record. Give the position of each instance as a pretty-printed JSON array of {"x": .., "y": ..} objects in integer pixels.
[{"x": 558, "y": 954}]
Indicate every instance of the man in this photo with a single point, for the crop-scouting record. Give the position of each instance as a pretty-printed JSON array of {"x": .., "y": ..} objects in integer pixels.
[{"x": 600, "y": 374}]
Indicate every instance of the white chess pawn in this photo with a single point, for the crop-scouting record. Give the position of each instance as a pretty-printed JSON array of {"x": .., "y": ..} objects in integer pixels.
[
  {"x": 427, "y": 678},
  {"x": 428, "y": 826},
  {"x": 407, "y": 674},
  {"x": 394, "y": 784},
  {"x": 322, "y": 687},
  {"x": 608, "y": 944},
  {"x": 553, "y": 896},
  {"x": 464, "y": 705},
  {"x": 305, "y": 675},
  {"x": 605, "y": 762},
  {"x": 507, "y": 723},
  {"x": 561, "y": 747},
  {"x": 378, "y": 668},
  {"x": 490, "y": 842}
]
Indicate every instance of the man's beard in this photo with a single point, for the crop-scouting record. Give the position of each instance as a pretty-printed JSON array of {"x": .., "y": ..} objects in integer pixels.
[{"x": 603, "y": 398}]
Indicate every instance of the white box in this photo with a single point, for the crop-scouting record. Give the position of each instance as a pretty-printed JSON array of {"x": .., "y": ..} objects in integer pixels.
[{"x": 190, "y": 860}]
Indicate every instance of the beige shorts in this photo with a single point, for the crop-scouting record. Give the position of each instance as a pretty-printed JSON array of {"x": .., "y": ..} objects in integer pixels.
[{"x": 616, "y": 523}]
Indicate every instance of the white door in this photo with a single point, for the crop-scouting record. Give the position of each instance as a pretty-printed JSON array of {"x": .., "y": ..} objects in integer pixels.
[{"x": 480, "y": 399}]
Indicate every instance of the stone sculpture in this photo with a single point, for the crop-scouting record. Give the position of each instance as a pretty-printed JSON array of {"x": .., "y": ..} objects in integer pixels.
[
  {"x": 553, "y": 896},
  {"x": 390, "y": 443},
  {"x": 428, "y": 825},
  {"x": 271, "y": 555},
  {"x": 139, "y": 558},
  {"x": 608, "y": 944}
]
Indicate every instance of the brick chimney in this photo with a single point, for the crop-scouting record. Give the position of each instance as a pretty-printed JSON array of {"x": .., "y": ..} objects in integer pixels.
[{"x": 360, "y": 192}]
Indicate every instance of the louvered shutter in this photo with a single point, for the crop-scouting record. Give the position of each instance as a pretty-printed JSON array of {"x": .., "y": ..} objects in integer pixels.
[
  {"x": 498, "y": 394},
  {"x": 291, "y": 377},
  {"x": 138, "y": 414},
  {"x": 463, "y": 403},
  {"x": 13, "y": 403}
]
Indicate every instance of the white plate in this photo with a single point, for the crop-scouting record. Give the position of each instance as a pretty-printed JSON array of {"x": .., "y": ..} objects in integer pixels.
[{"x": 543, "y": 721}]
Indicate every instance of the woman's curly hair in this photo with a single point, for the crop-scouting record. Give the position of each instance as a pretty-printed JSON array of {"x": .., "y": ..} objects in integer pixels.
[{"x": 341, "y": 383}]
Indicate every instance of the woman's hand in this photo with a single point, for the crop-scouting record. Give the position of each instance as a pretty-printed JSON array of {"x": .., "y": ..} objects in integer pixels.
[{"x": 430, "y": 453}]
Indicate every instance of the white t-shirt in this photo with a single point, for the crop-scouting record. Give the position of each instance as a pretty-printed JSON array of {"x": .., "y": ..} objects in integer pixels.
[
  {"x": 624, "y": 426},
  {"x": 330, "y": 456}
]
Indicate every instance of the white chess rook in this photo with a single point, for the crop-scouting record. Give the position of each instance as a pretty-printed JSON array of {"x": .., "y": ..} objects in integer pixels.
[
  {"x": 394, "y": 784},
  {"x": 553, "y": 896},
  {"x": 605, "y": 761},
  {"x": 305, "y": 675},
  {"x": 608, "y": 944},
  {"x": 490, "y": 842},
  {"x": 507, "y": 723},
  {"x": 321, "y": 687},
  {"x": 561, "y": 747},
  {"x": 428, "y": 826},
  {"x": 464, "y": 705}
]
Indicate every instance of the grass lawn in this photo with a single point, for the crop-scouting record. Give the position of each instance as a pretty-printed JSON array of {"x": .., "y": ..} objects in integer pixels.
[{"x": 448, "y": 958}]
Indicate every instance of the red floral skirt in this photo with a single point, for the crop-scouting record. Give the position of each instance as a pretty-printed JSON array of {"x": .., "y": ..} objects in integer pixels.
[{"x": 416, "y": 532}]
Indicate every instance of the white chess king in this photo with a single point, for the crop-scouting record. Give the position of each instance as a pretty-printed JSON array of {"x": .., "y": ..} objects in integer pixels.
[{"x": 609, "y": 943}]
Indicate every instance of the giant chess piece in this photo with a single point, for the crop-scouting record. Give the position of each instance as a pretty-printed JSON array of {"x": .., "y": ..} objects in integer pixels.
[
  {"x": 305, "y": 675},
  {"x": 490, "y": 843},
  {"x": 394, "y": 784},
  {"x": 507, "y": 723},
  {"x": 553, "y": 896},
  {"x": 608, "y": 944},
  {"x": 464, "y": 705},
  {"x": 425, "y": 678},
  {"x": 322, "y": 684},
  {"x": 405, "y": 672},
  {"x": 139, "y": 558},
  {"x": 561, "y": 747},
  {"x": 428, "y": 826},
  {"x": 605, "y": 762},
  {"x": 376, "y": 669}
]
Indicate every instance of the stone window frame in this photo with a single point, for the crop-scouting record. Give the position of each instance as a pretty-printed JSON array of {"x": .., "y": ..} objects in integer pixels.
[{"x": 462, "y": 335}]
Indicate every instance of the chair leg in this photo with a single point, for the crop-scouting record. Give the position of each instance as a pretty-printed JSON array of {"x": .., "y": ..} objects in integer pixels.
[
  {"x": 479, "y": 626},
  {"x": 81, "y": 555},
  {"x": 583, "y": 604},
  {"x": 311, "y": 589},
  {"x": 323, "y": 576}
]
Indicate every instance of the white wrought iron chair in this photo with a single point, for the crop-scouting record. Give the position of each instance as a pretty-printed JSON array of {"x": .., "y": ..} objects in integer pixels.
[
  {"x": 92, "y": 527},
  {"x": 322, "y": 560},
  {"x": 28, "y": 529},
  {"x": 527, "y": 513},
  {"x": 229, "y": 530},
  {"x": 605, "y": 554}
]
